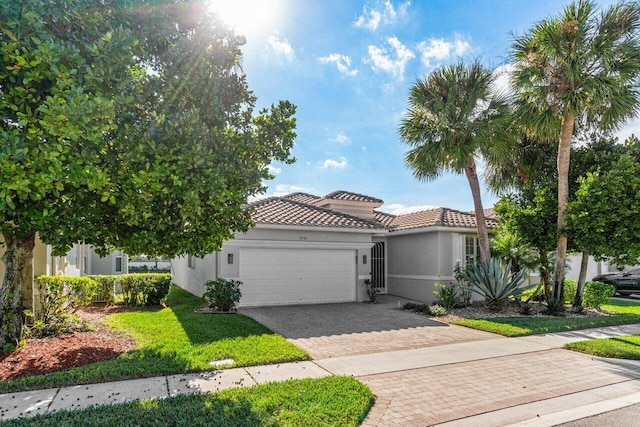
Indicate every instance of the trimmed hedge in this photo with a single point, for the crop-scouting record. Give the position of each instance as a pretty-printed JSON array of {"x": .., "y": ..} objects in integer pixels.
[
  {"x": 144, "y": 289},
  {"x": 106, "y": 291},
  {"x": 59, "y": 294}
]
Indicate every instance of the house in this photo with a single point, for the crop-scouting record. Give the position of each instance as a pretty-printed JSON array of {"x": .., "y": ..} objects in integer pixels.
[
  {"x": 308, "y": 249},
  {"x": 81, "y": 260}
]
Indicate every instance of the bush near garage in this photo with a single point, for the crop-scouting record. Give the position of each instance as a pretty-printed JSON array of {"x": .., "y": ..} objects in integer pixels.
[
  {"x": 222, "y": 294},
  {"x": 597, "y": 294}
]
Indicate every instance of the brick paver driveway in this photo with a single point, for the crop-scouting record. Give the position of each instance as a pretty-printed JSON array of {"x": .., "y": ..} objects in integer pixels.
[{"x": 332, "y": 330}]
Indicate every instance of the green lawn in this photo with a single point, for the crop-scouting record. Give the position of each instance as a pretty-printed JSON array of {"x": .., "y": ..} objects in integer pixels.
[
  {"x": 624, "y": 347},
  {"x": 175, "y": 340},
  {"x": 331, "y": 401},
  {"x": 622, "y": 312}
]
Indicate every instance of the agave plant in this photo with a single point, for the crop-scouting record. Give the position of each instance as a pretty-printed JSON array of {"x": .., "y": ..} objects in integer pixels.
[{"x": 495, "y": 282}]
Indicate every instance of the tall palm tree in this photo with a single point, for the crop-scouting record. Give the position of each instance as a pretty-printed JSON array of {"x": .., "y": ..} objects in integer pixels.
[
  {"x": 453, "y": 118},
  {"x": 580, "y": 64}
]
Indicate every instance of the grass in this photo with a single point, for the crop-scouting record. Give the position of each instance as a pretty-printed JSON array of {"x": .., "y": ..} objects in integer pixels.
[
  {"x": 624, "y": 347},
  {"x": 331, "y": 401},
  {"x": 174, "y": 340},
  {"x": 621, "y": 312}
]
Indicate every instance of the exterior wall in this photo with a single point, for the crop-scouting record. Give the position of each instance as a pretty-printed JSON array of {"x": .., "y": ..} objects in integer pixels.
[
  {"x": 418, "y": 260},
  {"x": 193, "y": 279},
  {"x": 97, "y": 265}
]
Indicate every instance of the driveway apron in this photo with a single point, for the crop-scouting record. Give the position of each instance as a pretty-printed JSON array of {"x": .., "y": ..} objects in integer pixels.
[{"x": 344, "y": 329}]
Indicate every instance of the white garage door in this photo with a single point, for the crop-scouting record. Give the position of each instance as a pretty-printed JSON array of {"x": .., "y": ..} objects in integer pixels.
[{"x": 296, "y": 276}]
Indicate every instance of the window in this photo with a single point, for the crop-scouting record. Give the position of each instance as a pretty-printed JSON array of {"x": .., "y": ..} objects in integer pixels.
[
  {"x": 118, "y": 264},
  {"x": 471, "y": 250},
  {"x": 191, "y": 261},
  {"x": 84, "y": 264}
]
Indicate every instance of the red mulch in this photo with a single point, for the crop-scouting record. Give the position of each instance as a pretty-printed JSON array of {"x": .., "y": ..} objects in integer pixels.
[{"x": 44, "y": 355}]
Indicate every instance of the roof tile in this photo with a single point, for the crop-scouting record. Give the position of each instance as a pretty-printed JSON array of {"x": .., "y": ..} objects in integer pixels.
[
  {"x": 352, "y": 197},
  {"x": 284, "y": 211},
  {"x": 443, "y": 217}
]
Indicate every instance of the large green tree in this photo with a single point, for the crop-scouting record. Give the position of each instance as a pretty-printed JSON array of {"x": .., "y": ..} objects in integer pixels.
[
  {"x": 579, "y": 64},
  {"x": 453, "y": 118},
  {"x": 125, "y": 124}
]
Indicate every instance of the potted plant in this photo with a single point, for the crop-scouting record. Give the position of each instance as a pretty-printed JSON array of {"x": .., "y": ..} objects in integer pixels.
[{"x": 372, "y": 290}]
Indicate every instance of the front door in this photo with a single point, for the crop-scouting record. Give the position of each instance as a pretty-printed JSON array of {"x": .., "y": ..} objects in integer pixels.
[{"x": 378, "y": 266}]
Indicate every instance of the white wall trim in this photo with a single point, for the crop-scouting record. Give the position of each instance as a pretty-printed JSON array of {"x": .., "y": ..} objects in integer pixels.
[
  {"x": 293, "y": 244},
  {"x": 417, "y": 277}
]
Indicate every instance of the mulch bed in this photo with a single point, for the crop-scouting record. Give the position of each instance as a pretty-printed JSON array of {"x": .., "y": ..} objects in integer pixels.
[{"x": 43, "y": 355}]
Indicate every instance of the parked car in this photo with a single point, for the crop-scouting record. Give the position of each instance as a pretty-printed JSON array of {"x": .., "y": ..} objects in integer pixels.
[{"x": 626, "y": 282}]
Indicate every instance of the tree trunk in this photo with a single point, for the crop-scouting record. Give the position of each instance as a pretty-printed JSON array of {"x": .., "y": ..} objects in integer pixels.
[
  {"x": 481, "y": 224},
  {"x": 18, "y": 255},
  {"x": 577, "y": 302},
  {"x": 564, "y": 157}
]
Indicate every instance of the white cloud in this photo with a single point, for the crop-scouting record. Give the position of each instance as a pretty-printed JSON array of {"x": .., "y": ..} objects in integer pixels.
[
  {"x": 392, "y": 60},
  {"x": 341, "y": 138},
  {"x": 383, "y": 13},
  {"x": 502, "y": 83},
  {"x": 284, "y": 189},
  {"x": 364, "y": 148},
  {"x": 338, "y": 164},
  {"x": 632, "y": 127},
  {"x": 434, "y": 51},
  {"x": 343, "y": 63},
  {"x": 273, "y": 170},
  {"x": 400, "y": 209},
  {"x": 281, "y": 47}
]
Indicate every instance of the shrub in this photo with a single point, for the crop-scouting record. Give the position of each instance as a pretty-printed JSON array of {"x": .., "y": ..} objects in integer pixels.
[
  {"x": 222, "y": 294},
  {"x": 372, "y": 290},
  {"x": 452, "y": 295},
  {"x": 555, "y": 307},
  {"x": 58, "y": 294},
  {"x": 409, "y": 306},
  {"x": 106, "y": 290},
  {"x": 437, "y": 310},
  {"x": 494, "y": 282},
  {"x": 596, "y": 294},
  {"x": 144, "y": 289},
  {"x": 570, "y": 288},
  {"x": 57, "y": 324}
]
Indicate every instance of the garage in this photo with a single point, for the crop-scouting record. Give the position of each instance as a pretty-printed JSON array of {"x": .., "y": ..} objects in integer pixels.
[{"x": 297, "y": 276}]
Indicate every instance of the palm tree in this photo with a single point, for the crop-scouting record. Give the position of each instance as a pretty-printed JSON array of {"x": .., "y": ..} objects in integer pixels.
[
  {"x": 578, "y": 65},
  {"x": 453, "y": 118}
]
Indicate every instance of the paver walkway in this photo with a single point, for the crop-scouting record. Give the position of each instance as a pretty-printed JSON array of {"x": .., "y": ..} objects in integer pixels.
[{"x": 527, "y": 381}]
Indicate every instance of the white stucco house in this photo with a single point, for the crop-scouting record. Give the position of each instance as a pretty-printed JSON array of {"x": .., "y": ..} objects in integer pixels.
[{"x": 308, "y": 249}]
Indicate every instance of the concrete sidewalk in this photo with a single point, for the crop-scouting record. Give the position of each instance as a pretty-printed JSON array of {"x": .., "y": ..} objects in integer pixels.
[{"x": 502, "y": 381}]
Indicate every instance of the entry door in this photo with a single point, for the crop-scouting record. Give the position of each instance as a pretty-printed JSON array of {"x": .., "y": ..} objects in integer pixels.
[{"x": 378, "y": 266}]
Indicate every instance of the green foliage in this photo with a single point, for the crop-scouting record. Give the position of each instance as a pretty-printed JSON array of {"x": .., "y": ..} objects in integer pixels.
[
  {"x": 222, "y": 294},
  {"x": 437, "y": 310},
  {"x": 554, "y": 306},
  {"x": 331, "y": 401},
  {"x": 623, "y": 347},
  {"x": 129, "y": 126},
  {"x": 106, "y": 290},
  {"x": 58, "y": 294},
  {"x": 452, "y": 295},
  {"x": 144, "y": 289},
  {"x": 605, "y": 215},
  {"x": 596, "y": 294},
  {"x": 56, "y": 324},
  {"x": 495, "y": 282},
  {"x": 570, "y": 289},
  {"x": 372, "y": 290},
  {"x": 418, "y": 308},
  {"x": 173, "y": 340}
]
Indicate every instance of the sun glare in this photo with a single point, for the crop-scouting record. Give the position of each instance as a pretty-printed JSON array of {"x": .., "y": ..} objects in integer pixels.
[{"x": 247, "y": 17}]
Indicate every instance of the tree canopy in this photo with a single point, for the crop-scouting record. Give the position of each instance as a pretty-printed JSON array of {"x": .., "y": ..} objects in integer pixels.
[{"x": 129, "y": 125}]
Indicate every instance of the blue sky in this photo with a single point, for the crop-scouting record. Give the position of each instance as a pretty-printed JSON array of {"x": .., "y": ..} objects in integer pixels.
[{"x": 348, "y": 66}]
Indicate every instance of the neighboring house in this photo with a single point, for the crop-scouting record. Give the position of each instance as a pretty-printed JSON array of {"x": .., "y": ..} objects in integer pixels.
[
  {"x": 81, "y": 260},
  {"x": 307, "y": 249}
]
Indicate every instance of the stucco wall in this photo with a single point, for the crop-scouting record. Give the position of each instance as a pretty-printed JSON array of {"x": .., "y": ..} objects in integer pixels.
[{"x": 193, "y": 279}]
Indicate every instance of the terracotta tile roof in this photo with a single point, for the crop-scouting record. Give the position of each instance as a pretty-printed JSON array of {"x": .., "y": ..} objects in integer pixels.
[
  {"x": 284, "y": 211},
  {"x": 302, "y": 197},
  {"x": 352, "y": 197},
  {"x": 439, "y": 217},
  {"x": 384, "y": 218}
]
